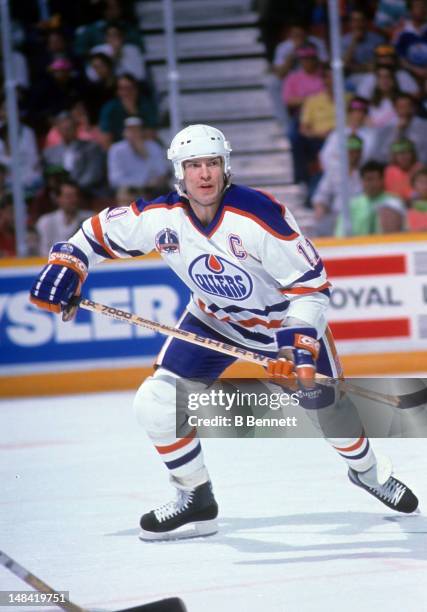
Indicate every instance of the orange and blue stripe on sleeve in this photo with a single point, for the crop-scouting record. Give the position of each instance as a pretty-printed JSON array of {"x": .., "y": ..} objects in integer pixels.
[
  {"x": 305, "y": 290},
  {"x": 99, "y": 235},
  {"x": 97, "y": 241}
]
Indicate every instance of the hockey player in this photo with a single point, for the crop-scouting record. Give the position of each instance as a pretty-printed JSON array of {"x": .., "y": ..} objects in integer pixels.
[{"x": 256, "y": 282}]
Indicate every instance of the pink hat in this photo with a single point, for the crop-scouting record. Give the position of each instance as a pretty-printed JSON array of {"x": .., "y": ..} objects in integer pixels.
[
  {"x": 306, "y": 51},
  {"x": 358, "y": 103},
  {"x": 61, "y": 63}
]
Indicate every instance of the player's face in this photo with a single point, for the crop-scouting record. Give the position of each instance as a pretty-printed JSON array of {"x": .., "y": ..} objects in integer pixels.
[{"x": 204, "y": 180}]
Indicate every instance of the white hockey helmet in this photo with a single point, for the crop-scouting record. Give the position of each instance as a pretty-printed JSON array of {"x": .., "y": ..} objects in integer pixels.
[{"x": 198, "y": 141}]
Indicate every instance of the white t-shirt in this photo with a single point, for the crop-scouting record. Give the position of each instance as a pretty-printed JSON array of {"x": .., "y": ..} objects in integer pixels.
[
  {"x": 287, "y": 47},
  {"x": 327, "y": 189},
  {"x": 53, "y": 227},
  {"x": 29, "y": 158},
  {"x": 329, "y": 153},
  {"x": 128, "y": 169},
  {"x": 130, "y": 61},
  {"x": 366, "y": 84},
  {"x": 383, "y": 114}
]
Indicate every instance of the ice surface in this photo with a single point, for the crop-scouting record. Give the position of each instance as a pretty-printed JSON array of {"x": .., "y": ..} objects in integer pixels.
[{"x": 76, "y": 472}]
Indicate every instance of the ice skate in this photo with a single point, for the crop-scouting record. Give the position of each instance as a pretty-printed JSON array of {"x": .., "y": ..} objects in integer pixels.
[
  {"x": 192, "y": 514},
  {"x": 380, "y": 483}
]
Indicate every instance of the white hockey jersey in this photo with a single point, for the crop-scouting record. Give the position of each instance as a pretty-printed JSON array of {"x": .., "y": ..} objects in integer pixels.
[{"x": 248, "y": 270}]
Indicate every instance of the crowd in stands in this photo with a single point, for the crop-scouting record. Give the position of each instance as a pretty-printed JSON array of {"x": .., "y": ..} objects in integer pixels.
[
  {"x": 88, "y": 118},
  {"x": 89, "y": 113},
  {"x": 384, "y": 57}
]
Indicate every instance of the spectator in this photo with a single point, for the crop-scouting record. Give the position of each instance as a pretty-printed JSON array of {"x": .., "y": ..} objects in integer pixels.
[
  {"x": 374, "y": 211},
  {"x": 385, "y": 57},
  {"x": 85, "y": 131},
  {"x": 297, "y": 86},
  {"x": 117, "y": 11},
  {"x": 381, "y": 111},
  {"x": 20, "y": 65},
  {"x": 130, "y": 102},
  {"x": 398, "y": 174},
  {"x": 358, "y": 109},
  {"x": 318, "y": 111},
  {"x": 29, "y": 159},
  {"x": 319, "y": 18},
  {"x": 411, "y": 40},
  {"x": 126, "y": 58},
  {"x": 388, "y": 14},
  {"x": 82, "y": 159},
  {"x": 64, "y": 222},
  {"x": 358, "y": 45},
  {"x": 54, "y": 47},
  {"x": 317, "y": 119},
  {"x": 304, "y": 81},
  {"x": 102, "y": 86},
  {"x": 417, "y": 213},
  {"x": 325, "y": 200},
  {"x": 408, "y": 126},
  {"x": 125, "y": 195},
  {"x": 285, "y": 58},
  {"x": 7, "y": 228},
  {"x": 137, "y": 161},
  {"x": 58, "y": 91},
  {"x": 275, "y": 19},
  {"x": 45, "y": 200}
]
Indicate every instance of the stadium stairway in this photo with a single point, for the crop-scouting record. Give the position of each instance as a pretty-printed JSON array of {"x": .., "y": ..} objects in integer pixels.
[{"x": 222, "y": 71}]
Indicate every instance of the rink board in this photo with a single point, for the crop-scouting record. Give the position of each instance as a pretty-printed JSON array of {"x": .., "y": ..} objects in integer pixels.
[{"x": 377, "y": 314}]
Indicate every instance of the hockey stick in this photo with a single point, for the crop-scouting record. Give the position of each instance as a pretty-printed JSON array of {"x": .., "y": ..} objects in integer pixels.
[
  {"x": 172, "y": 604},
  {"x": 405, "y": 401}
]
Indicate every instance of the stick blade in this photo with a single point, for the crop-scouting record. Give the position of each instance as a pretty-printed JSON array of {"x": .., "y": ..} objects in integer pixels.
[{"x": 171, "y": 604}]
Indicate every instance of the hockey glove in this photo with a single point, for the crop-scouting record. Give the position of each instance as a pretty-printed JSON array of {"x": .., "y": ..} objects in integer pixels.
[
  {"x": 60, "y": 280},
  {"x": 299, "y": 344},
  {"x": 281, "y": 368}
]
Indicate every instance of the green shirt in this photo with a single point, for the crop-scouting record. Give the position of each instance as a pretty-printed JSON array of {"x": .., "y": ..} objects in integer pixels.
[
  {"x": 364, "y": 213},
  {"x": 113, "y": 114}
]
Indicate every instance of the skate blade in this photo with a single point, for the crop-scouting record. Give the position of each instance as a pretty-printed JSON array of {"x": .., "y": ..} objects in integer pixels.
[{"x": 198, "y": 529}]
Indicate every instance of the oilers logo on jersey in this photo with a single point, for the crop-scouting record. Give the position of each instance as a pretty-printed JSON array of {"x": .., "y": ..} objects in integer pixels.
[
  {"x": 217, "y": 276},
  {"x": 167, "y": 241}
]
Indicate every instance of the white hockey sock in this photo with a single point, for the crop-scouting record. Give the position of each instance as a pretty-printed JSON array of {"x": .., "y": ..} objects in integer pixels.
[
  {"x": 356, "y": 452},
  {"x": 191, "y": 481},
  {"x": 182, "y": 456}
]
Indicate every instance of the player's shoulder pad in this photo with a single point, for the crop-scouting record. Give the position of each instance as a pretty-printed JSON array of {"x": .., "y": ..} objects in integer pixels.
[
  {"x": 262, "y": 207},
  {"x": 165, "y": 201}
]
